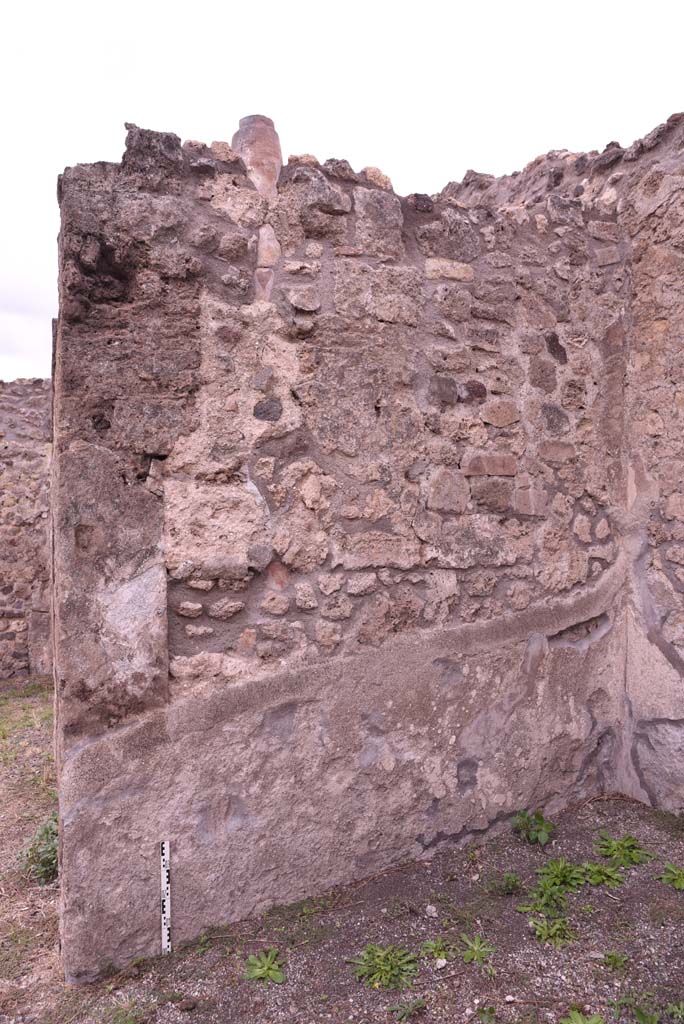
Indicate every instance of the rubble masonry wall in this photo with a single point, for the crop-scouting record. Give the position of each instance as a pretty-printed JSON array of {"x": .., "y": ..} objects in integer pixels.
[{"x": 368, "y": 516}]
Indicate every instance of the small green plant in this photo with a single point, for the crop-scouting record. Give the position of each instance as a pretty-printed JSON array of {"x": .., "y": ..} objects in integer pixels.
[
  {"x": 476, "y": 950},
  {"x": 602, "y": 874},
  {"x": 575, "y": 1017},
  {"x": 644, "y": 1016},
  {"x": 533, "y": 828},
  {"x": 563, "y": 874},
  {"x": 385, "y": 966},
  {"x": 546, "y": 898},
  {"x": 169, "y": 997},
  {"x": 487, "y": 1014},
  {"x": 674, "y": 876},
  {"x": 130, "y": 1012},
  {"x": 265, "y": 967},
  {"x": 39, "y": 858},
  {"x": 641, "y": 1006},
  {"x": 615, "y": 961},
  {"x": 398, "y": 907},
  {"x": 622, "y": 853},
  {"x": 675, "y": 1011},
  {"x": 309, "y": 907},
  {"x": 203, "y": 944},
  {"x": 405, "y": 1011},
  {"x": 621, "y": 1003},
  {"x": 440, "y": 948},
  {"x": 507, "y": 884},
  {"x": 510, "y": 883},
  {"x": 556, "y": 932}
]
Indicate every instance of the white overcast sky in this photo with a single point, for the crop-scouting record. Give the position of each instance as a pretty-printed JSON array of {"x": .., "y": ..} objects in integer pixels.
[{"x": 422, "y": 90}]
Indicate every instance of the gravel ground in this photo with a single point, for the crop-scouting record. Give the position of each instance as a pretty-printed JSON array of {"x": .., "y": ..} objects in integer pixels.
[{"x": 458, "y": 892}]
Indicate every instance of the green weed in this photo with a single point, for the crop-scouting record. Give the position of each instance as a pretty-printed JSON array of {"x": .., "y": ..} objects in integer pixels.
[
  {"x": 439, "y": 948},
  {"x": 623, "y": 853},
  {"x": 615, "y": 961},
  {"x": 674, "y": 876},
  {"x": 405, "y": 1011},
  {"x": 556, "y": 932},
  {"x": 640, "y": 1004},
  {"x": 385, "y": 966},
  {"x": 487, "y": 1014},
  {"x": 476, "y": 950},
  {"x": 644, "y": 1016},
  {"x": 169, "y": 997},
  {"x": 546, "y": 898},
  {"x": 507, "y": 884},
  {"x": 39, "y": 858},
  {"x": 130, "y": 1012},
  {"x": 533, "y": 828},
  {"x": 575, "y": 1017},
  {"x": 563, "y": 874},
  {"x": 602, "y": 874},
  {"x": 265, "y": 967}
]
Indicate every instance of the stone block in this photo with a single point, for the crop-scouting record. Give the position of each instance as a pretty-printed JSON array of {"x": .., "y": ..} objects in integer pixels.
[
  {"x": 436, "y": 268},
  {"x": 447, "y": 491},
  {"x": 480, "y": 463}
]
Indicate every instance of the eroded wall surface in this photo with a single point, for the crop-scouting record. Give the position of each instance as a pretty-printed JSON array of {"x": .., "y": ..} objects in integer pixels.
[
  {"x": 25, "y": 436},
  {"x": 351, "y": 505},
  {"x": 653, "y": 214}
]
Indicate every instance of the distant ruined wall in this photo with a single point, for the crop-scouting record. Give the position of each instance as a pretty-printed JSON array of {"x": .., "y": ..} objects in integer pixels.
[
  {"x": 366, "y": 516},
  {"x": 25, "y": 433}
]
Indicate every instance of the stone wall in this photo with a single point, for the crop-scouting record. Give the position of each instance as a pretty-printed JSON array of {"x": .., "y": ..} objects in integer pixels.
[
  {"x": 25, "y": 432},
  {"x": 365, "y": 530},
  {"x": 653, "y": 214}
]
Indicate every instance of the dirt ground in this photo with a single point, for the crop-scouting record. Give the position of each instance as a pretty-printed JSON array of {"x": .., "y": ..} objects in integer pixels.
[
  {"x": 460, "y": 891},
  {"x": 29, "y": 962}
]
